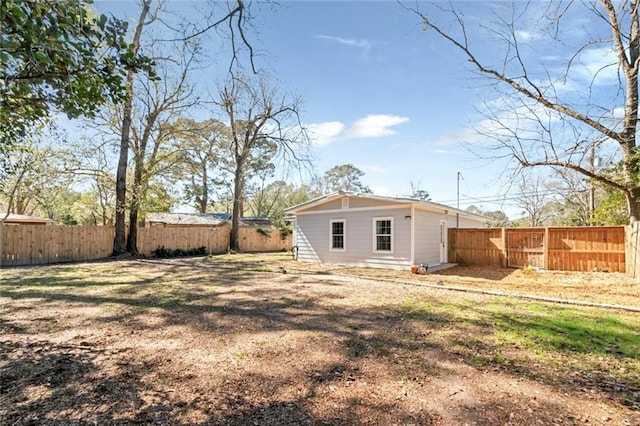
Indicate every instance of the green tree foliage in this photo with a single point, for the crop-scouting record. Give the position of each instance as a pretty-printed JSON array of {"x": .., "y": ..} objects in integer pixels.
[
  {"x": 40, "y": 180},
  {"x": 498, "y": 218},
  {"x": 201, "y": 146},
  {"x": 271, "y": 200},
  {"x": 57, "y": 55},
  {"x": 344, "y": 177}
]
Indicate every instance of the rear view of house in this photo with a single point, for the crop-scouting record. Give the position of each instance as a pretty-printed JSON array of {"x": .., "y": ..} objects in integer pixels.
[{"x": 374, "y": 231}]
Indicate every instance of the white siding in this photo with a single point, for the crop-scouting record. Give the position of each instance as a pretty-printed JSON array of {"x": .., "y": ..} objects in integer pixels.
[
  {"x": 427, "y": 230},
  {"x": 312, "y": 233},
  {"x": 427, "y": 233},
  {"x": 312, "y": 238}
]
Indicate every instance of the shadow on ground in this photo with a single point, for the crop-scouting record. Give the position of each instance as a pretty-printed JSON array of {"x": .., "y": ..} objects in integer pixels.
[{"x": 378, "y": 366}]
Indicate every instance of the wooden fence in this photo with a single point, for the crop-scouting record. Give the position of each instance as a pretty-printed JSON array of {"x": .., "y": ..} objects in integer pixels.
[
  {"x": 633, "y": 249},
  {"x": 42, "y": 244},
  {"x": 566, "y": 249}
]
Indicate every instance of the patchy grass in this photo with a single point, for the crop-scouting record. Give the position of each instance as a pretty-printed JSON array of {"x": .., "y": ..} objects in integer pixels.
[
  {"x": 245, "y": 339},
  {"x": 510, "y": 330}
]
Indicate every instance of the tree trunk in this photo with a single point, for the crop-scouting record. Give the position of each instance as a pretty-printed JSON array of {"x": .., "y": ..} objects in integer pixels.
[
  {"x": 204, "y": 199},
  {"x": 234, "y": 243},
  {"x": 633, "y": 202},
  {"x": 119, "y": 242},
  {"x": 137, "y": 196},
  {"x": 132, "y": 240}
]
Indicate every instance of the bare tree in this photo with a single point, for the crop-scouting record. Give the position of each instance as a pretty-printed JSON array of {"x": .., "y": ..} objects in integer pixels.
[
  {"x": 159, "y": 103},
  {"x": 536, "y": 201},
  {"x": 119, "y": 242},
  {"x": 264, "y": 124},
  {"x": 556, "y": 112},
  {"x": 418, "y": 192},
  {"x": 235, "y": 16}
]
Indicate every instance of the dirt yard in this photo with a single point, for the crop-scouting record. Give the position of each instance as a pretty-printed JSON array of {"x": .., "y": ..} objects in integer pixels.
[{"x": 263, "y": 340}]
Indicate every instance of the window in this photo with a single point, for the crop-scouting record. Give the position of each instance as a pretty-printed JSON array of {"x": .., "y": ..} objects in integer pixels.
[
  {"x": 337, "y": 235},
  {"x": 383, "y": 234}
]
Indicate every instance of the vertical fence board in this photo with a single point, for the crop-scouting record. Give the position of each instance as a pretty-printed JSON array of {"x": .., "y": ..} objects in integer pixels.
[
  {"x": 476, "y": 246},
  {"x": 41, "y": 244},
  {"x": 632, "y": 249},
  {"x": 254, "y": 239},
  {"x": 557, "y": 248}
]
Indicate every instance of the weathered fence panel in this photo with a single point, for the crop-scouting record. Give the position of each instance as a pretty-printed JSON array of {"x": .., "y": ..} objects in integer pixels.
[
  {"x": 566, "y": 248},
  {"x": 586, "y": 249},
  {"x": 632, "y": 248},
  {"x": 476, "y": 246},
  {"x": 41, "y": 244},
  {"x": 214, "y": 238},
  {"x": 525, "y": 247},
  {"x": 254, "y": 239}
]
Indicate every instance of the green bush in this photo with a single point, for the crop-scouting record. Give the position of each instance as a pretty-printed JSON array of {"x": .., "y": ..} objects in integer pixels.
[{"x": 166, "y": 253}]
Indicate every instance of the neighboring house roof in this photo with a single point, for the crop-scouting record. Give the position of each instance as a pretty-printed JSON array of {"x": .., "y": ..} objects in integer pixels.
[
  {"x": 211, "y": 219},
  {"x": 25, "y": 219},
  {"x": 255, "y": 221},
  {"x": 412, "y": 202}
]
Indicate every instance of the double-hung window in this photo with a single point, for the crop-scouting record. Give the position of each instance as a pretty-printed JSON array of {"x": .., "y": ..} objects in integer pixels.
[
  {"x": 383, "y": 234},
  {"x": 337, "y": 235}
]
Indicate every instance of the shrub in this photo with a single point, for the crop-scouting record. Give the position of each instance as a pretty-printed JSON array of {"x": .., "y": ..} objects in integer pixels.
[
  {"x": 285, "y": 231},
  {"x": 166, "y": 253},
  {"x": 263, "y": 232}
]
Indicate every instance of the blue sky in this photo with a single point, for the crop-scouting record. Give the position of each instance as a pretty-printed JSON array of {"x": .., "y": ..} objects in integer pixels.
[
  {"x": 378, "y": 92},
  {"x": 382, "y": 94}
]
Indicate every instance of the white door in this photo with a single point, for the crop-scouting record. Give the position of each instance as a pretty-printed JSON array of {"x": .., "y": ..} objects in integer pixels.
[{"x": 443, "y": 241}]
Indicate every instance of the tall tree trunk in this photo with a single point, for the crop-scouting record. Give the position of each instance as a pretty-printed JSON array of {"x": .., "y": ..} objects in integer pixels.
[
  {"x": 138, "y": 194},
  {"x": 119, "y": 242},
  {"x": 633, "y": 202},
  {"x": 238, "y": 193},
  {"x": 204, "y": 199}
]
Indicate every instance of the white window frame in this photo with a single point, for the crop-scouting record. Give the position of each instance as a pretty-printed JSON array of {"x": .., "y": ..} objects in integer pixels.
[
  {"x": 375, "y": 235},
  {"x": 344, "y": 234}
]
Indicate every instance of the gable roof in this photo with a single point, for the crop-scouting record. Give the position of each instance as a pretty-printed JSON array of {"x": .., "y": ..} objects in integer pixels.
[
  {"x": 410, "y": 202},
  {"x": 211, "y": 219},
  {"x": 24, "y": 219}
]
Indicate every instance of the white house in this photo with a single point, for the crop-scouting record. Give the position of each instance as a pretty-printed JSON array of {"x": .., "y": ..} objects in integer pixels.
[{"x": 374, "y": 231}]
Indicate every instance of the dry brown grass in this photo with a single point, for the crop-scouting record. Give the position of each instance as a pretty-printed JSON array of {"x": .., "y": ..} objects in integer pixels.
[{"x": 259, "y": 339}]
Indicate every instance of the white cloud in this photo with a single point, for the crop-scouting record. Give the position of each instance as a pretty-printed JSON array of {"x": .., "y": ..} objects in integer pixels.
[
  {"x": 374, "y": 126},
  {"x": 464, "y": 135},
  {"x": 382, "y": 190},
  {"x": 600, "y": 63},
  {"x": 363, "y": 44},
  {"x": 324, "y": 133},
  {"x": 371, "y": 126},
  {"x": 526, "y": 35},
  {"x": 371, "y": 169}
]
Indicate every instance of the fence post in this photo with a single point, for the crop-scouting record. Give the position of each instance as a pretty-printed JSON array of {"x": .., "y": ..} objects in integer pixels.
[
  {"x": 504, "y": 261},
  {"x": 632, "y": 247},
  {"x": 1, "y": 241},
  {"x": 545, "y": 249}
]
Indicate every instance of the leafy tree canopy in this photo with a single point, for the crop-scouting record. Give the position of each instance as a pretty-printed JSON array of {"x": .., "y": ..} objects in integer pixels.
[
  {"x": 57, "y": 55},
  {"x": 345, "y": 177}
]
